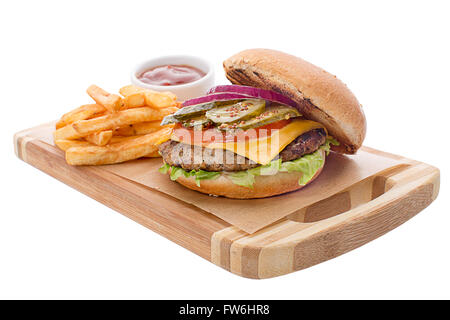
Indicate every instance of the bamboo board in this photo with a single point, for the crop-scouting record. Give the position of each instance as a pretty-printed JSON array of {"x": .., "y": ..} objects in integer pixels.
[{"x": 322, "y": 231}]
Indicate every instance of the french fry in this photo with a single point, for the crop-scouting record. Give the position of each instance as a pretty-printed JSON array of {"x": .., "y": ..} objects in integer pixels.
[
  {"x": 82, "y": 113},
  {"x": 117, "y": 139},
  {"x": 83, "y": 128},
  {"x": 130, "y": 89},
  {"x": 134, "y": 100},
  {"x": 112, "y": 102},
  {"x": 124, "y": 131},
  {"x": 119, "y": 119},
  {"x": 170, "y": 95},
  {"x": 100, "y": 138},
  {"x": 153, "y": 99},
  {"x": 115, "y": 129},
  {"x": 118, "y": 152},
  {"x": 146, "y": 127},
  {"x": 167, "y": 111},
  {"x": 139, "y": 128},
  {"x": 153, "y": 155},
  {"x": 67, "y": 133},
  {"x": 67, "y": 144},
  {"x": 159, "y": 99}
]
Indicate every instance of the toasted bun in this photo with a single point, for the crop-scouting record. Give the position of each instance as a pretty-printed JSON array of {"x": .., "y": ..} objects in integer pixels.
[
  {"x": 264, "y": 186},
  {"x": 320, "y": 95}
]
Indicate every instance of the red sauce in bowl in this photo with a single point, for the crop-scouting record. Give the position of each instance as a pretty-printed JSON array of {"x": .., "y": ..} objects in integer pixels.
[{"x": 171, "y": 75}]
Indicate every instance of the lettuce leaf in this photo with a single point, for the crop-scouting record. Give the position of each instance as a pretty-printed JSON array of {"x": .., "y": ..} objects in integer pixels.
[
  {"x": 164, "y": 168},
  {"x": 203, "y": 175},
  {"x": 242, "y": 178},
  {"x": 326, "y": 146},
  {"x": 268, "y": 169},
  {"x": 308, "y": 165},
  {"x": 176, "y": 172}
]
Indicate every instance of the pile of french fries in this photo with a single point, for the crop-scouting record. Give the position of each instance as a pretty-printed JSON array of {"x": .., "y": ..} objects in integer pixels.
[{"x": 115, "y": 129}]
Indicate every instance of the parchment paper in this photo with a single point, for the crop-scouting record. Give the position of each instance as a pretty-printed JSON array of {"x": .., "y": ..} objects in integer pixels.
[{"x": 339, "y": 173}]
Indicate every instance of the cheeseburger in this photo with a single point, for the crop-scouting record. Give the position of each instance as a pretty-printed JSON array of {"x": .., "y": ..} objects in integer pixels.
[{"x": 266, "y": 134}]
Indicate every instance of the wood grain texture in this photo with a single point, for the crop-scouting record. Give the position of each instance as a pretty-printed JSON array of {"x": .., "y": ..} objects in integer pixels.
[
  {"x": 324, "y": 230},
  {"x": 184, "y": 224}
]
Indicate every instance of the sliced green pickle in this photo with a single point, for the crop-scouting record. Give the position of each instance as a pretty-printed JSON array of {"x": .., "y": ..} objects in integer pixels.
[
  {"x": 238, "y": 111},
  {"x": 193, "y": 111},
  {"x": 270, "y": 115},
  {"x": 226, "y": 102},
  {"x": 197, "y": 122},
  {"x": 168, "y": 120}
]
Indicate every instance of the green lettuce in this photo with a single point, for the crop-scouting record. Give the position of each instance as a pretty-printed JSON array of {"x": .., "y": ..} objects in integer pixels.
[
  {"x": 242, "y": 178},
  {"x": 308, "y": 165},
  {"x": 176, "y": 172},
  {"x": 164, "y": 168},
  {"x": 203, "y": 175}
]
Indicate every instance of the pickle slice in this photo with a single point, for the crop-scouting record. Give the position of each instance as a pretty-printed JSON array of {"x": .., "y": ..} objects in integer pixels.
[
  {"x": 197, "y": 122},
  {"x": 168, "y": 120},
  {"x": 270, "y": 115},
  {"x": 227, "y": 102},
  {"x": 193, "y": 111},
  {"x": 238, "y": 111}
]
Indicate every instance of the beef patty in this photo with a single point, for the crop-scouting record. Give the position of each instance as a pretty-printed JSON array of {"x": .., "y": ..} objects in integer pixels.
[
  {"x": 191, "y": 157},
  {"x": 304, "y": 144}
]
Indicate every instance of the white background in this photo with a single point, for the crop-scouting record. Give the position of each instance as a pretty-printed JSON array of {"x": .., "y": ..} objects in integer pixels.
[{"x": 57, "y": 243}]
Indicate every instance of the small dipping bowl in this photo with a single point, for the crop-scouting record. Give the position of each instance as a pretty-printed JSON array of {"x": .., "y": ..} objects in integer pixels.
[{"x": 182, "y": 91}]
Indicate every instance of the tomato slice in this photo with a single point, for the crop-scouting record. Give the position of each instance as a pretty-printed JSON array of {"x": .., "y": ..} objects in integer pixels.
[{"x": 192, "y": 136}]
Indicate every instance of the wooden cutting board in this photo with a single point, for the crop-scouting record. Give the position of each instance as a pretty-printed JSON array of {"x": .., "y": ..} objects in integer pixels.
[{"x": 323, "y": 230}]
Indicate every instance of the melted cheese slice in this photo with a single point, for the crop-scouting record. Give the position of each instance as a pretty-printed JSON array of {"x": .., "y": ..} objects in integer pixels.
[{"x": 264, "y": 150}]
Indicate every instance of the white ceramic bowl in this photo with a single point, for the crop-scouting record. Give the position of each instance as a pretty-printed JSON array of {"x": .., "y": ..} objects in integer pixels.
[{"x": 183, "y": 91}]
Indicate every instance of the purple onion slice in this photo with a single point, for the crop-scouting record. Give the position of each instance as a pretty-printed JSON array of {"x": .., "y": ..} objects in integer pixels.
[
  {"x": 224, "y": 96},
  {"x": 253, "y": 92}
]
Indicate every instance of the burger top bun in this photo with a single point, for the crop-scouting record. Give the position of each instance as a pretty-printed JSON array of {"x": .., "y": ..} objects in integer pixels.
[{"x": 320, "y": 95}]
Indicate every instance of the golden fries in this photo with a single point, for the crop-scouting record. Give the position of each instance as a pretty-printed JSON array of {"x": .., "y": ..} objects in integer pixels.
[
  {"x": 65, "y": 133},
  {"x": 118, "y": 152},
  {"x": 67, "y": 144},
  {"x": 151, "y": 98},
  {"x": 112, "y": 102},
  {"x": 158, "y": 100},
  {"x": 153, "y": 155},
  {"x": 130, "y": 89},
  {"x": 119, "y": 119},
  {"x": 139, "y": 128},
  {"x": 116, "y": 139},
  {"x": 82, "y": 113},
  {"x": 115, "y": 129},
  {"x": 134, "y": 100},
  {"x": 82, "y": 128},
  {"x": 100, "y": 138}
]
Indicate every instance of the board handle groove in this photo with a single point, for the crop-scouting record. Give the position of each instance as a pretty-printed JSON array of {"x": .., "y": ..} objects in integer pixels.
[{"x": 331, "y": 227}]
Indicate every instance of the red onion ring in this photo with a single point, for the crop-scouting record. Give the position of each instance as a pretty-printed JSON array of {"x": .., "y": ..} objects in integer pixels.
[
  {"x": 224, "y": 96},
  {"x": 253, "y": 92}
]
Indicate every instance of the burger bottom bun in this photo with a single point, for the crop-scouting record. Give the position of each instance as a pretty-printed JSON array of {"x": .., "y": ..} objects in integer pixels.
[{"x": 264, "y": 186}]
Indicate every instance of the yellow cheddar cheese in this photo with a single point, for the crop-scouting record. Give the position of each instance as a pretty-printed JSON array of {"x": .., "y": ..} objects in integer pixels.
[{"x": 263, "y": 150}]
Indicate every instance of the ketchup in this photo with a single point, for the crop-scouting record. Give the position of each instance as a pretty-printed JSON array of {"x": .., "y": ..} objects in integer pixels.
[{"x": 171, "y": 75}]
